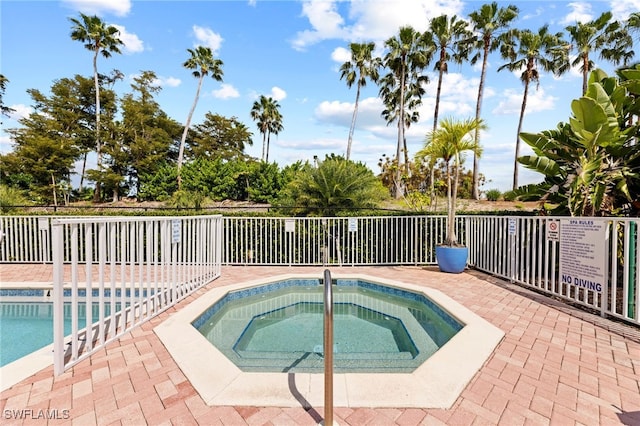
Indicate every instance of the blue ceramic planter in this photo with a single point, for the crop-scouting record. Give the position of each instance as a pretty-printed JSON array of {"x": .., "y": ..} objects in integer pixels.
[{"x": 452, "y": 259}]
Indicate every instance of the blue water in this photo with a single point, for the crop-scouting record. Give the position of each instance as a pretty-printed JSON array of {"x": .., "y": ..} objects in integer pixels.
[
  {"x": 26, "y": 327},
  {"x": 279, "y": 327}
]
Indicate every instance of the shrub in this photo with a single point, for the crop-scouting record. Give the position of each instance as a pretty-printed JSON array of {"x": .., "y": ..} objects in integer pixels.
[
  {"x": 335, "y": 187},
  {"x": 509, "y": 196},
  {"x": 10, "y": 198},
  {"x": 417, "y": 201},
  {"x": 186, "y": 200},
  {"x": 493, "y": 194}
]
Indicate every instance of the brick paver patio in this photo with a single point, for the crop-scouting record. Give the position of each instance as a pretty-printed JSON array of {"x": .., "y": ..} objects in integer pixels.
[{"x": 557, "y": 365}]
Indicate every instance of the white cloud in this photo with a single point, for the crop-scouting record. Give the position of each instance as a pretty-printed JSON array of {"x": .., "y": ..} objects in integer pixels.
[
  {"x": 334, "y": 112},
  {"x": 537, "y": 100},
  {"x": 458, "y": 95},
  {"x": 19, "y": 111},
  {"x": 341, "y": 55},
  {"x": 169, "y": 81},
  {"x": 325, "y": 21},
  {"x": 380, "y": 19},
  {"x": 340, "y": 113},
  {"x": 132, "y": 44},
  {"x": 621, "y": 9},
  {"x": 314, "y": 144},
  {"x": 277, "y": 93},
  {"x": 537, "y": 12},
  {"x": 206, "y": 37},
  {"x": 580, "y": 12},
  {"x": 368, "y": 19},
  {"x": 98, "y": 7},
  {"x": 226, "y": 91},
  {"x": 6, "y": 144}
]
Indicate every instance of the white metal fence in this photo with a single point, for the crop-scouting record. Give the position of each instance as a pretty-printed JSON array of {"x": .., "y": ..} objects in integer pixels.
[
  {"x": 529, "y": 251},
  {"x": 119, "y": 272},
  {"x": 404, "y": 240},
  {"x": 520, "y": 249}
]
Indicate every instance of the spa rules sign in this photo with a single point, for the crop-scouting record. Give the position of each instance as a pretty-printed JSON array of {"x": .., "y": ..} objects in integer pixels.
[{"x": 582, "y": 253}]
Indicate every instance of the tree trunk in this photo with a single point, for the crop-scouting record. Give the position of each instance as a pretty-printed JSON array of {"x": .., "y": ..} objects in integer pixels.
[
  {"x": 186, "y": 130},
  {"x": 84, "y": 167},
  {"x": 398, "y": 179},
  {"x": 475, "y": 193},
  {"x": 585, "y": 72},
  {"x": 454, "y": 197},
  {"x": 55, "y": 197},
  {"x": 438, "y": 91},
  {"x": 353, "y": 123},
  {"x": 266, "y": 158},
  {"x": 515, "y": 161},
  {"x": 96, "y": 192}
]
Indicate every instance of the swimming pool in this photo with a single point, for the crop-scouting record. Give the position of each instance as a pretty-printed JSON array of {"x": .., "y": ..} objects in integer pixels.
[
  {"x": 26, "y": 327},
  {"x": 279, "y": 327},
  {"x": 26, "y": 317}
]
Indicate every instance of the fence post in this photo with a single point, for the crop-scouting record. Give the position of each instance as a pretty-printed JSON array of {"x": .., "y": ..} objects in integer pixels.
[
  {"x": 58, "y": 297},
  {"x": 631, "y": 301}
]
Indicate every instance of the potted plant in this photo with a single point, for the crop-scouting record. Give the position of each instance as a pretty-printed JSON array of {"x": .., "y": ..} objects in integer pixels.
[{"x": 447, "y": 142}]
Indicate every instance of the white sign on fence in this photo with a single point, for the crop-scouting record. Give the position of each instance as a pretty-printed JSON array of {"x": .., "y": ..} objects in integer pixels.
[
  {"x": 43, "y": 224},
  {"x": 582, "y": 253},
  {"x": 353, "y": 224},
  {"x": 289, "y": 225},
  {"x": 512, "y": 226},
  {"x": 176, "y": 230},
  {"x": 553, "y": 230}
]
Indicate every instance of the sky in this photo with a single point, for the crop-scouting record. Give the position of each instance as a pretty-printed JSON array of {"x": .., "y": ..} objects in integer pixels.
[{"x": 292, "y": 51}]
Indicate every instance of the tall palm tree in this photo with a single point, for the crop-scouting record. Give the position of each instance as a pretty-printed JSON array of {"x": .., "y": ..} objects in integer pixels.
[
  {"x": 392, "y": 111},
  {"x": 449, "y": 37},
  {"x": 450, "y": 139},
  {"x": 491, "y": 25},
  {"x": 542, "y": 49},
  {"x": 603, "y": 35},
  {"x": 99, "y": 38},
  {"x": 202, "y": 63},
  {"x": 266, "y": 111},
  {"x": 362, "y": 66},
  {"x": 407, "y": 55}
]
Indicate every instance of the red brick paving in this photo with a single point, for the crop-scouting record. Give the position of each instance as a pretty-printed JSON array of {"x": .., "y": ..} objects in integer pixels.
[{"x": 556, "y": 366}]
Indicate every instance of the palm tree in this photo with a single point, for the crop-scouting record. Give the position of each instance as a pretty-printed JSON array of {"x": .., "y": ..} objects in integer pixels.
[
  {"x": 491, "y": 24},
  {"x": 99, "y": 38},
  {"x": 392, "y": 112},
  {"x": 449, "y": 38},
  {"x": 448, "y": 142},
  {"x": 359, "y": 68},
  {"x": 266, "y": 111},
  {"x": 202, "y": 63},
  {"x": 610, "y": 38},
  {"x": 408, "y": 54},
  {"x": 541, "y": 49}
]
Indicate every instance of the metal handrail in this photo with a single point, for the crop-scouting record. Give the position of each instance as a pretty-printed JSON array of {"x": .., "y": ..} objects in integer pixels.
[{"x": 328, "y": 349}]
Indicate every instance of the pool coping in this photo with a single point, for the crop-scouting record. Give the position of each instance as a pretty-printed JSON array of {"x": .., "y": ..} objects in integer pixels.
[{"x": 437, "y": 383}]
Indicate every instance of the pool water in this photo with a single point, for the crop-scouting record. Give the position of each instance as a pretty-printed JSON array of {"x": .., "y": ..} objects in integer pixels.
[
  {"x": 26, "y": 327},
  {"x": 279, "y": 327},
  {"x": 299, "y": 328}
]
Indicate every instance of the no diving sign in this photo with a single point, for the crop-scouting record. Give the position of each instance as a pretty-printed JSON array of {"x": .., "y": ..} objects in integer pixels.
[{"x": 553, "y": 230}]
